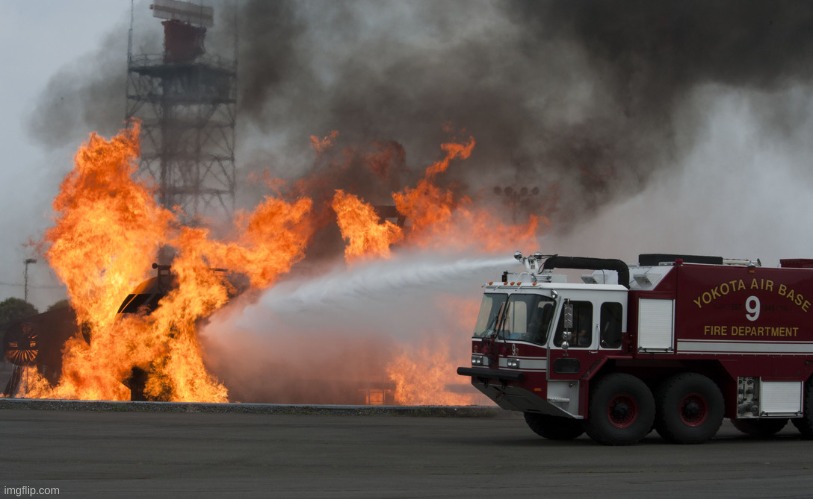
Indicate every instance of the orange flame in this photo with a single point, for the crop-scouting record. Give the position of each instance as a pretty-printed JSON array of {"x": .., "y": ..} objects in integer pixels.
[
  {"x": 320, "y": 145},
  {"x": 99, "y": 265},
  {"x": 272, "y": 239},
  {"x": 109, "y": 230},
  {"x": 424, "y": 374},
  {"x": 426, "y": 205},
  {"x": 438, "y": 219},
  {"x": 360, "y": 227}
]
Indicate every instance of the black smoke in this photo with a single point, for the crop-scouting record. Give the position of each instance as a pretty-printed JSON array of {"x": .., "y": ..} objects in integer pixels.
[{"x": 577, "y": 98}]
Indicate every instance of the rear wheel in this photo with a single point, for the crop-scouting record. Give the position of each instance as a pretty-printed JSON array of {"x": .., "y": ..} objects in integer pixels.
[
  {"x": 554, "y": 427},
  {"x": 621, "y": 410},
  {"x": 690, "y": 409},
  {"x": 760, "y": 428},
  {"x": 805, "y": 423}
]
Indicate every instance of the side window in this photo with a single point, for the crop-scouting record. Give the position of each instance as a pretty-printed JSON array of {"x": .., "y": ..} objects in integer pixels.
[
  {"x": 582, "y": 326},
  {"x": 610, "y": 324}
]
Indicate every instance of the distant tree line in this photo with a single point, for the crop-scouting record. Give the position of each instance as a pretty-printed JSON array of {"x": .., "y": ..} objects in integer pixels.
[{"x": 15, "y": 309}]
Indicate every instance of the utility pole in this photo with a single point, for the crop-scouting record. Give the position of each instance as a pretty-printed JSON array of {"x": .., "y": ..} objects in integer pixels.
[{"x": 28, "y": 261}]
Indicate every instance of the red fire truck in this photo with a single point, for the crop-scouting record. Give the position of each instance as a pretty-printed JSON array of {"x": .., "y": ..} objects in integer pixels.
[{"x": 676, "y": 343}]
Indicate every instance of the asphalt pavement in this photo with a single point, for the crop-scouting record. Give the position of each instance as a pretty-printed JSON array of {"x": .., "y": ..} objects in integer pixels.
[{"x": 342, "y": 452}]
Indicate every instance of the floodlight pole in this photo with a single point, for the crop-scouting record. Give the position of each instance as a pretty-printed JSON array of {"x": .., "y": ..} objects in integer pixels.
[{"x": 28, "y": 261}]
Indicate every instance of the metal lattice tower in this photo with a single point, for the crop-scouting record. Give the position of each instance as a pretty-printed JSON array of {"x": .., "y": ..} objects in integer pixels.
[{"x": 186, "y": 102}]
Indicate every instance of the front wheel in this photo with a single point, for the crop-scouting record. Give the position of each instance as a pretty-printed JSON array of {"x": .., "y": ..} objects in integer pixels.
[
  {"x": 554, "y": 427},
  {"x": 621, "y": 410},
  {"x": 690, "y": 409}
]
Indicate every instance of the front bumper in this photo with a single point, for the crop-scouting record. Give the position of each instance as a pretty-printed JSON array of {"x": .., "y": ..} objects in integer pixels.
[
  {"x": 485, "y": 373},
  {"x": 506, "y": 389}
]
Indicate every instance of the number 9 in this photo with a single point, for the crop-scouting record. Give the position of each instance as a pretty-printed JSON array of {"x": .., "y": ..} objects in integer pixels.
[{"x": 752, "y": 308}]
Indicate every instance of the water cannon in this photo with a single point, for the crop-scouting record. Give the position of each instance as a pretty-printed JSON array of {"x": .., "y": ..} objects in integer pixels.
[{"x": 533, "y": 263}]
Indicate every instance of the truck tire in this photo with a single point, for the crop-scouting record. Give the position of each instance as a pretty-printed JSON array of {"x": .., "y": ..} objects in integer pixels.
[
  {"x": 621, "y": 410},
  {"x": 805, "y": 423},
  {"x": 759, "y": 428},
  {"x": 554, "y": 427},
  {"x": 690, "y": 409}
]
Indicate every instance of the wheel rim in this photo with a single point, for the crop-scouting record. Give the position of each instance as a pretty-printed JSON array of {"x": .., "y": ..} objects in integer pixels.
[
  {"x": 622, "y": 411},
  {"x": 693, "y": 409}
]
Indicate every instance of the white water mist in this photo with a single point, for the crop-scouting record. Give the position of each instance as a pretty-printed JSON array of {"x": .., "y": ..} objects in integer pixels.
[{"x": 317, "y": 339}]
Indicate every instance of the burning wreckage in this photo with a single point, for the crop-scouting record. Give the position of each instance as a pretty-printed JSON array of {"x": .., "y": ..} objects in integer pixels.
[
  {"x": 146, "y": 298},
  {"x": 146, "y": 347},
  {"x": 38, "y": 341}
]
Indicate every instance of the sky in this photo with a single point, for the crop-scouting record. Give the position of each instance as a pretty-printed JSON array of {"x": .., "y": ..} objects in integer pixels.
[
  {"x": 736, "y": 182},
  {"x": 38, "y": 38}
]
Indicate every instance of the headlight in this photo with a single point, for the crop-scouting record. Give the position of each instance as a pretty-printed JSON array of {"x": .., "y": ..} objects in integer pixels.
[
  {"x": 477, "y": 360},
  {"x": 513, "y": 363}
]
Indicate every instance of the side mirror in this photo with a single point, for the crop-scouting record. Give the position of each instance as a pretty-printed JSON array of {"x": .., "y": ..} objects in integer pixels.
[
  {"x": 567, "y": 336},
  {"x": 568, "y": 315}
]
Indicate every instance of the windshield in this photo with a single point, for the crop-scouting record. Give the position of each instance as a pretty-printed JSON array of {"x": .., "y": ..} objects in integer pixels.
[
  {"x": 490, "y": 310},
  {"x": 515, "y": 317}
]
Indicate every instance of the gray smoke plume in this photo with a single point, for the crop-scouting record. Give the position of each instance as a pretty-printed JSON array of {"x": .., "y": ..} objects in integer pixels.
[{"x": 577, "y": 99}]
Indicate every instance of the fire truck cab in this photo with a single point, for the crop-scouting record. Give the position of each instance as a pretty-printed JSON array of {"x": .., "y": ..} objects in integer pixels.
[{"x": 675, "y": 343}]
